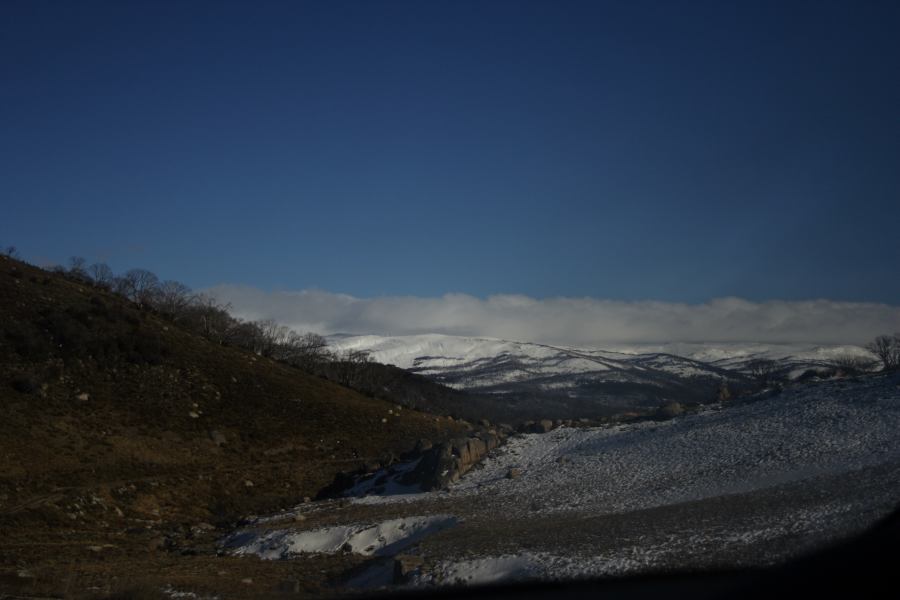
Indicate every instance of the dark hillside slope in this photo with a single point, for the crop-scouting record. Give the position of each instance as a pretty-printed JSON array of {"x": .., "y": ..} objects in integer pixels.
[
  {"x": 113, "y": 417},
  {"x": 418, "y": 392}
]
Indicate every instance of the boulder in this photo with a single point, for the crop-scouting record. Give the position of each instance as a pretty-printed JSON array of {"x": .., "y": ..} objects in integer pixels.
[
  {"x": 491, "y": 440},
  {"x": 461, "y": 450},
  {"x": 724, "y": 393},
  {"x": 670, "y": 410},
  {"x": 405, "y": 566},
  {"x": 477, "y": 449}
]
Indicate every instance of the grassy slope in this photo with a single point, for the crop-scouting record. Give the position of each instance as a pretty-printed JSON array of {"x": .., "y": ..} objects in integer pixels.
[{"x": 106, "y": 444}]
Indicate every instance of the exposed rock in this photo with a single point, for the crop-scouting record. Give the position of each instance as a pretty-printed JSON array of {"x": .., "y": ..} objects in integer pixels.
[
  {"x": 437, "y": 467},
  {"x": 83, "y": 396},
  {"x": 218, "y": 438},
  {"x": 670, "y": 410},
  {"x": 202, "y": 528},
  {"x": 491, "y": 440},
  {"x": 405, "y": 566},
  {"x": 542, "y": 426}
]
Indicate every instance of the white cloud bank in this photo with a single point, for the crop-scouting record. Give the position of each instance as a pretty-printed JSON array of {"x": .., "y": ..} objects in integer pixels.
[{"x": 569, "y": 321}]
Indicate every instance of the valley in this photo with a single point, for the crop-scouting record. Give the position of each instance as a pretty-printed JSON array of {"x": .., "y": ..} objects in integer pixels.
[{"x": 749, "y": 484}]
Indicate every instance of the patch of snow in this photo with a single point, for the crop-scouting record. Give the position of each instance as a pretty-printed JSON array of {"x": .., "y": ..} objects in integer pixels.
[
  {"x": 380, "y": 539},
  {"x": 492, "y": 569},
  {"x": 175, "y": 594}
]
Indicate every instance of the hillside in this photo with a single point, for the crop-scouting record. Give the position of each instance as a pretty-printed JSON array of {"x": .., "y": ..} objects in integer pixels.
[{"x": 122, "y": 431}]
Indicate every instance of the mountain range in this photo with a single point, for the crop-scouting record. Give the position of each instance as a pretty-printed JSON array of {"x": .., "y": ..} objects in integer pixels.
[{"x": 564, "y": 380}]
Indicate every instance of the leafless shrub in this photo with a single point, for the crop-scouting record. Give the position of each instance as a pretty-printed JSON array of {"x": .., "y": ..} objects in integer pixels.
[
  {"x": 763, "y": 370},
  {"x": 887, "y": 349},
  {"x": 851, "y": 364}
]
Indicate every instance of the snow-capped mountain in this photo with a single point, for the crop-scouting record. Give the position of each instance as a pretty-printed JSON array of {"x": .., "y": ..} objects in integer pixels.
[{"x": 625, "y": 375}]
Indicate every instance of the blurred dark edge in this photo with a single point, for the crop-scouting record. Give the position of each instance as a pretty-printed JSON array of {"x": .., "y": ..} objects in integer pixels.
[{"x": 864, "y": 566}]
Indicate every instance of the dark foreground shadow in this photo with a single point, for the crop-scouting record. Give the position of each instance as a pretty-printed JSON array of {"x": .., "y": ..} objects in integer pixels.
[{"x": 866, "y": 566}]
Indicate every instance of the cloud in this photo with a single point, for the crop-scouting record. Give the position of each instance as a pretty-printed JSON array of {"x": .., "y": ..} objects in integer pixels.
[{"x": 570, "y": 321}]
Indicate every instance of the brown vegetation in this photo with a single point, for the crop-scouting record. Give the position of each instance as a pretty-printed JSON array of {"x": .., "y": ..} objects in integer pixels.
[{"x": 124, "y": 434}]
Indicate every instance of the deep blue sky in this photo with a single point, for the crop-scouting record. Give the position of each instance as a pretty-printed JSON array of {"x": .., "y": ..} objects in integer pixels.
[{"x": 631, "y": 150}]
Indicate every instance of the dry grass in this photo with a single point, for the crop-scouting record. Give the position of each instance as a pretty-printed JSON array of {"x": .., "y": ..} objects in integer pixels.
[{"x": 119, "y": 441}]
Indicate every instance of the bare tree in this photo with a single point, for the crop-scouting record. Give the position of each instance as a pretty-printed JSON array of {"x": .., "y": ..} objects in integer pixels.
[
  {"x": 313, "y": 347},
  {"x": 246, "y": 335},
  {"x": 101, "y": 274},
  {"x": 11, "y": 252},
  {"x": 138, "y": 285},
  {"x": 78, "y": 268},
  {"x": 273, "y": 338},
  {"x": 763, "y": 370},
  {"x": 172, "y": 298},
  {"x": 304, "y": 350},
  {"x": 887, "y": 349},
  {"x": 206, "y": 316},
  {"x": 351, "y": 368}
]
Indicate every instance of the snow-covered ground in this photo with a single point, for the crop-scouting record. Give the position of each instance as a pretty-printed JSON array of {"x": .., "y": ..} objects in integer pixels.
[
  {"x": 805, "y": 431},
  {"x": 368, "y": 539},
  {"x": 748, "y": 483},
  {"x": 802, "y": 432}
]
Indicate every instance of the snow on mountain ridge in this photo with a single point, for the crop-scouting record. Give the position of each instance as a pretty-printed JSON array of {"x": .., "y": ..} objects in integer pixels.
[
  {"x": 440, "y": 350},
  {"x": 653, "y": 372}
]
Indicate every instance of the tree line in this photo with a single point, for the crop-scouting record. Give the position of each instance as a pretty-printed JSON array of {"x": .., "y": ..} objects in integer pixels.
[{"x": 204, "y": 315}]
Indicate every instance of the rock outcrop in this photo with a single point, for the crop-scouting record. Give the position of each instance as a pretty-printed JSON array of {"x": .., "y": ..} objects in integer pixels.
[{"x": 445, "y": 463}]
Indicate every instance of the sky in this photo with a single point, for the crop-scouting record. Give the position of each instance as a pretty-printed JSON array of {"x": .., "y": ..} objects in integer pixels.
[{"x": 634, "y": 151}]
